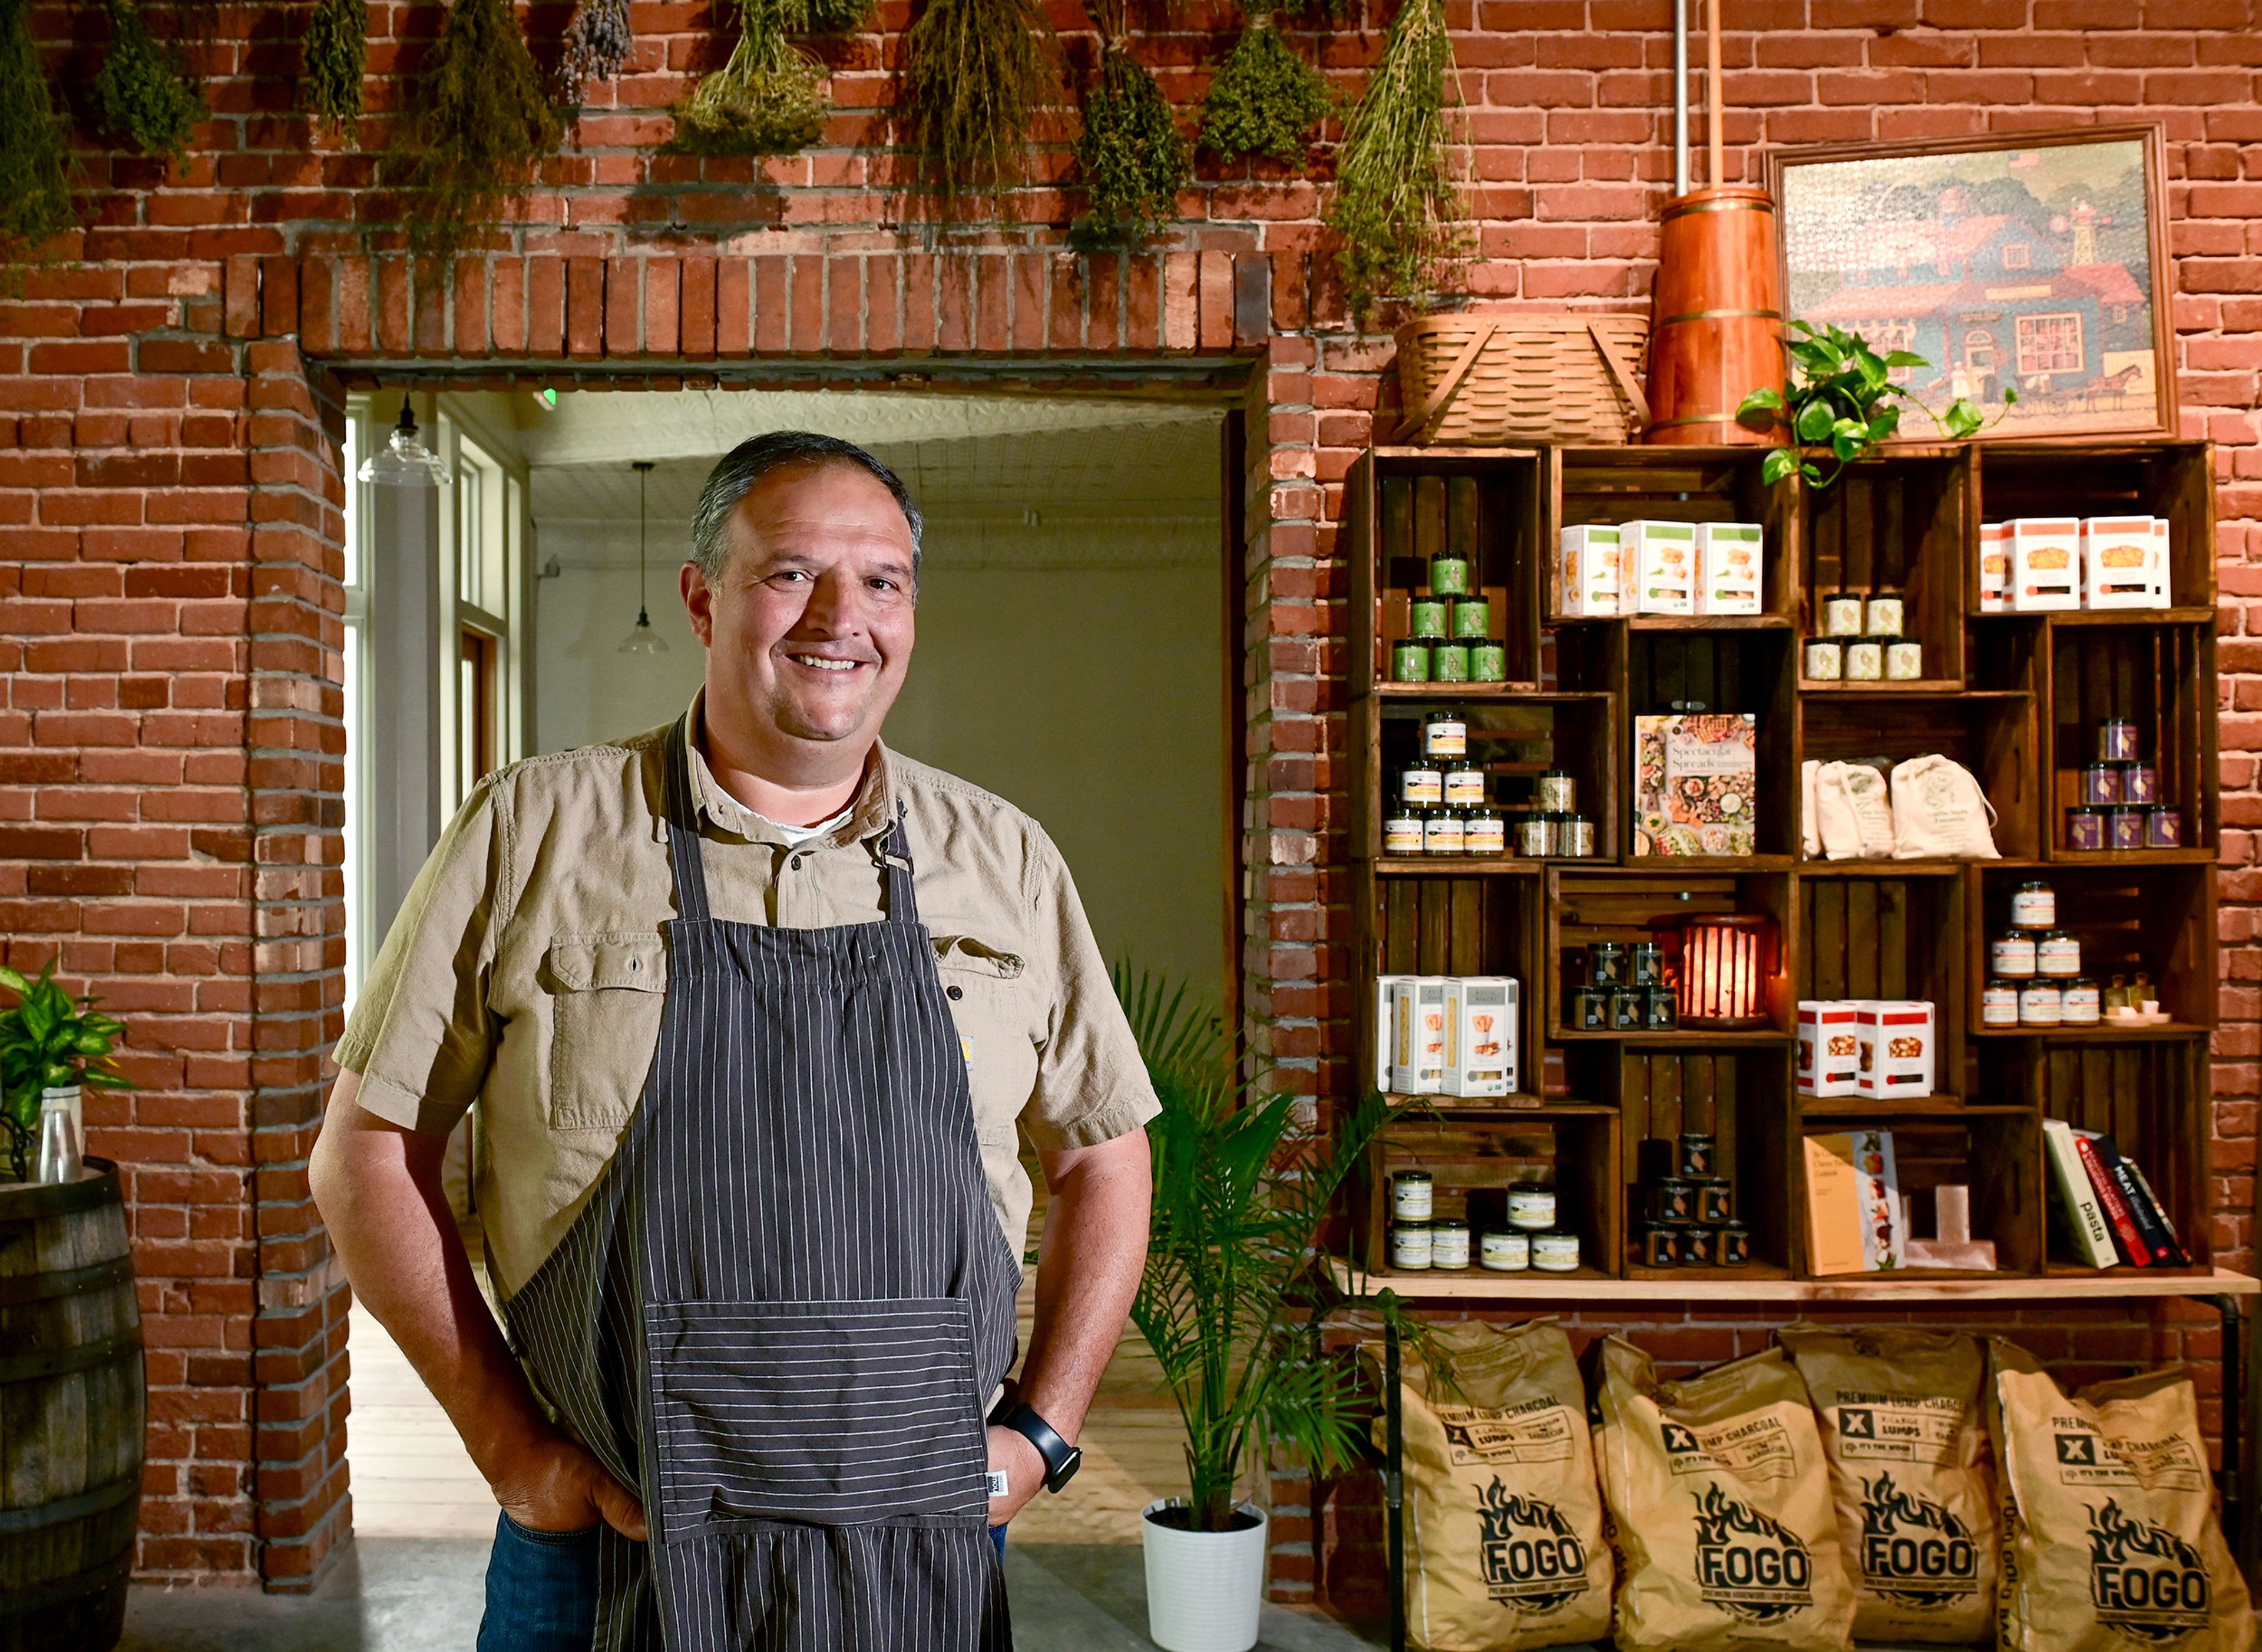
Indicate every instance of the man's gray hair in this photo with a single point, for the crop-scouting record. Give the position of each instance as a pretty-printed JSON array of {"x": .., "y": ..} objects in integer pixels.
[{"x": 735, "y": 475}]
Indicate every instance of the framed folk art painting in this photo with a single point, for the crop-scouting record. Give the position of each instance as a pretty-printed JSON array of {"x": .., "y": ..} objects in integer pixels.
[{"x": 2033, "y": 261}]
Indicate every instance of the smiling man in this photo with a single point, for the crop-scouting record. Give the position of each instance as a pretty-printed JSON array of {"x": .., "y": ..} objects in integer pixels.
[{"x": 752, "y": 1010}]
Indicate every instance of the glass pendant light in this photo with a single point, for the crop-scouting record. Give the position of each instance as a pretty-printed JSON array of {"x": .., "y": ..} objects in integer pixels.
[
  {"x": 405, "y": 461},
  {"x": 642, "y": 639}
]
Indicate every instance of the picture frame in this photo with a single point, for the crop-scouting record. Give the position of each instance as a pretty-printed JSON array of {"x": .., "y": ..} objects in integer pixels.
[{"x": 2034, "y": 260}]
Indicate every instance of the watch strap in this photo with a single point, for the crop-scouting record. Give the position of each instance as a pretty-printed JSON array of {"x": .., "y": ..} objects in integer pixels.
[{"x": 1062, "y": 1459}]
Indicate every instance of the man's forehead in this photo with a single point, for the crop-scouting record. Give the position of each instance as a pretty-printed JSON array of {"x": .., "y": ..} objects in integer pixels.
[{"x": 803, "y": 517}]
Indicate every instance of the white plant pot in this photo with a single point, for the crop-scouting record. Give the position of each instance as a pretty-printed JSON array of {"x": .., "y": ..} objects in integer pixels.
[{"x": 1204, "y": 1588}]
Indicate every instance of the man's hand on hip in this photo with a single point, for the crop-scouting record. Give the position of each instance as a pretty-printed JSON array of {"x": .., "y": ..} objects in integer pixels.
[
  {"x": 554, "y": 1485},
  {"x": 1025, "y": 1472}
]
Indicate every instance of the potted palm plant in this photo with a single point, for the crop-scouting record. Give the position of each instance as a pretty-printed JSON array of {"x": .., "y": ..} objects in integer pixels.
[
  {"x": 1234, "y": 1303},
  {"x": 51, "y": 1045}
]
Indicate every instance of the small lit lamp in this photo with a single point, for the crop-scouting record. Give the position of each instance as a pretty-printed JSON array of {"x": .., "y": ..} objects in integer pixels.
[
  {"x": 405, "y": 461},
  {"x": 1726, "y": 962},
  {"x": 642, "y": 639}
]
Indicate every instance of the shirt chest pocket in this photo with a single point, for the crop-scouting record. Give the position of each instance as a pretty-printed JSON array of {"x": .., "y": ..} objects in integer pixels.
[
  {"x": 991, "y": 1002},
  {"x": 605, "y": 993}
]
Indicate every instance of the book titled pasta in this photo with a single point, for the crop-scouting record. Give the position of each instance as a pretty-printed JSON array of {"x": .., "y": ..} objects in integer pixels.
[{"x": 1696, "y": 784}]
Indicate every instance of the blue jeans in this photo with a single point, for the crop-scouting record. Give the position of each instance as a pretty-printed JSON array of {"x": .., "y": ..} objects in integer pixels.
[{"x": 542, "y": 1588}]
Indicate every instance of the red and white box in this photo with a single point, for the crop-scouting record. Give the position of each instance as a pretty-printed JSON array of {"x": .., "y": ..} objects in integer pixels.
[
  {"x": 2045, "y": 564},
  {"x": 1829, "y": 1046},
  {"x": 1896, "y": 1042},
  {"x": 2161, "y": 598},
  {"x": 2118, "y": 554},
  {"x": 1994, "y": 567}
]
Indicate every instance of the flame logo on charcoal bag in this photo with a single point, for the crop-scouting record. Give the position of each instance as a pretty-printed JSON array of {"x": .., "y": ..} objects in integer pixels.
[
  {"x": 2144, "y": 1580},
  {"x": 1913, "y": 1551},
  {"x": 1748, "y": 1565},
  {"x": 1533, "y": 1562}
]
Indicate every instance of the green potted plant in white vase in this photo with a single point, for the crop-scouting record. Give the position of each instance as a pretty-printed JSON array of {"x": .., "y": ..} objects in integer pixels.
[
  {"x": 1234, "y": 1303},
  {"x": 51, "y": 1047}
]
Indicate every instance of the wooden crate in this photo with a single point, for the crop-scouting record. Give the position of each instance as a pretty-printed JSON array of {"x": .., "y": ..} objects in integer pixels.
[
  {"x": 2173, "y": 479},
  {"x": 1865, "y": 934},
  {"x": 1673, "y": 484},
  {"x": 1896, "y": 524},
  {"x": 1664, "y": 1086},
  {"x": 2156, "y": 918},
  {"x": 2161, "y": 677},
  {"x": 1991, "y": 732},
  {"x": 1992, "y": 1149},
  {"x": 1514, "y": 741},
  {"x": 1724, "y": 671},
  {"x": 1638, "y": 904},
  {"x": 1571, "y": 1148}
]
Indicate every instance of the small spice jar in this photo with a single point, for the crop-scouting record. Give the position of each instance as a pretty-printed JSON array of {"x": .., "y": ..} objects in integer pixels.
[
  {"x": 2012, "y": 955},
  {"x": 1575, "y": 836},
  {"x": 1699, "y": 1247},
  {"x": 2101, "y": 783},
  {"x": 1448, "y": 662},
  {"x": 1505, "y": 1253},
  {"x": 1449, "y": 1243},
  {"x": 1444, "y": 734},
  {"x": 1999, "y": 1003},
  {"x": 2164, "y": 827},
  {"x": 1661, "y": 1009},
  {"x": 1661, "y": 1246},
  {"x": 2085, "y": 827},
  {"x": 2140, "y": 783},
  {"x": 2125, "y": 825},
  {"x": 1629, "y": 1008},
  {"x": 1535, "y": 836},
  {"x": 1555, "y": 793},
  {"x": 1590, "y": 1009},
  {"x": 1487, "y": 660},
  {"x": 1555, "y": 1253},
  {"x": 1409, "y": 660},
  {"x": 2033, "y": 906},
  {"x": 1693, "y": 1151},
  {"x": 1412, "y": 1195},
  {"x": 1444, "y": 832},
  {"x": 1472, "y": 618},
  {"x": 1865, "y": 659},
  {"x": 1410, "y": 1247},
  {"x": 1483, "y": 832},
  {"x": 1463, "y": 783},
  {"x": 1881, "y": 615},
  {"x": 2056, "y": 952},
  {"x": 1449, "y": 574},
  {"x": 1823, "y": 661},
  {"x": 1607, "y": 964},
  {"x": 1402, "y": 831},
  {"x": 1733, "y": 1246},
  {"x": 1531, "y": 1208},
  {"x": 1904, "y": 660},
  {"x": 1671, "y": 1199},
  {"x": 1421, "y": 785},
  {"x": 2042, "y": 1003},
  {"x": 1716, "y": 1201},
  {"x": 2117, "y": 740},
  {"x": 1842, "y": 613},
  {"x": 1645, "y": 964},
  {"x": 2079, "y": 1004}
]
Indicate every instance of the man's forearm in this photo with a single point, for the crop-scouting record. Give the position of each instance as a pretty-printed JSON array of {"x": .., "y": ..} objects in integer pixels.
[{"x": 1094, "y": 1248}]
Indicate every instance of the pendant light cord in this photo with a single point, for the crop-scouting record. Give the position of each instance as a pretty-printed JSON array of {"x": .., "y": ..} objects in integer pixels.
[{"x": 644, "y": 609}]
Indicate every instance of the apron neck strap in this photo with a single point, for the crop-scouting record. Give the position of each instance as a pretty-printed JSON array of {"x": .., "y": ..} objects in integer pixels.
[
  {"x": 685, "y": 853},
  {"x": 893, "y": 851}
]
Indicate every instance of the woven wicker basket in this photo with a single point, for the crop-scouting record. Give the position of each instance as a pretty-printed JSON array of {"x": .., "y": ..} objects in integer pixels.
[{"x": 1485, "y": 379}]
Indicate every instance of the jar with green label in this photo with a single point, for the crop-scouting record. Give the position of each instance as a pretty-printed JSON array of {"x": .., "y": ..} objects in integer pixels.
[
  {"x": 1448, "y": 662},
  {"x": 1487, "y": 660},
  {"x": 1449, "y": 574},
  {"x": 1472, "y": 618},
  {"x": 1409, "y": 660},
  {"x": 1426, "y": 616}
]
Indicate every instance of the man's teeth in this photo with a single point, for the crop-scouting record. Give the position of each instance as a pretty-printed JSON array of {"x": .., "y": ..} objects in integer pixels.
[{"x": 823, "y": 664}]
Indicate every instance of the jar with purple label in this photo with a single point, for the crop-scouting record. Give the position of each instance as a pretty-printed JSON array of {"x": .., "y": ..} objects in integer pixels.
[
  {"x": 2101, "y": 783},
  {"x": 2117, "y": 740},
  {"x": 2124, "y": 827},
  {"x": 2140, "y": 783},
  {"x": 2085, "y": 827},
  {"x": 2164, "y": 827}
]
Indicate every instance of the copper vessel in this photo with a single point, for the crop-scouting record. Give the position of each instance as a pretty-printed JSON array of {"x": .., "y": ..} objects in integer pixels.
[{"x": 1716, "y": 318}]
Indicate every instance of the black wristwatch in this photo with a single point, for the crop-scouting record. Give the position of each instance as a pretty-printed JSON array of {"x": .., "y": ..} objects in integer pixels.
[{"x": 1062, "y": 1459}]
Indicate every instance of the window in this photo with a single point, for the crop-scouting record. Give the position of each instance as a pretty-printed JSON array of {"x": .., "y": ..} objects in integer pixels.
[
  {"x": 1979, "y": 351},
  {"x": 2049, "y": 344},
  {"x": 1884, "y": 337},
  {"x": 482, "y": 562},
  {"x": 2018, "y": 254},
  {"x": 360, "y": 947}
]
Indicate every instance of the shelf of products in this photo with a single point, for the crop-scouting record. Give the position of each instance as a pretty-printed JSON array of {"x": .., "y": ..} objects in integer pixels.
[{"x": 2019, "y": 700}]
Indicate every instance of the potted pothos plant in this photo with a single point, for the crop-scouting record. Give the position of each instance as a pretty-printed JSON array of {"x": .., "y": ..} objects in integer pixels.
[
  {"x": 51, "y": 1046},
  {"x": 1846, "y": 403},
  {"x": 1235, "y": 1302}
]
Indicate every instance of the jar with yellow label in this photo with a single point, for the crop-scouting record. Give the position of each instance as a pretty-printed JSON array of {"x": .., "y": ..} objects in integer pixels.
[
  {"x": 1444, "y": 734},
  {"x": 1421, "y": 783},
  {"x": 1463, "y": 784},
  {"x": 1483, "y": 832},
  {"x": 1402, "y": 831},
  {"x": 1444, "y": 832}
]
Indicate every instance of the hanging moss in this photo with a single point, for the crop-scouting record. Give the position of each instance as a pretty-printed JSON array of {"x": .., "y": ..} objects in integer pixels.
[
  {"x": 478, "y": 123},
  {"x": 599, "y": 43},
  {"x": 142, "y": 93},
  {"x": 1265, "y": 99},
  {"x": 1397, "y": 206},
  {"x": 1130, "y": 155},
  {"x": 336, "y": 52},
  {"x": 35, "y": 200},
  {"x": 974, "y": 73},
  {"x": 824, "y": 16},
  {"x": 768, "y": 99}
]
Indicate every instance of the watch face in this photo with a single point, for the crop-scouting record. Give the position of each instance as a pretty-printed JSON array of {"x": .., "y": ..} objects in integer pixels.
[{"x": 1066, "y": 1472}]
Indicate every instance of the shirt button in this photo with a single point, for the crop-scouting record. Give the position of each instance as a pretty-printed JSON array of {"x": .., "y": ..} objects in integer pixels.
[
  {"x": 795, "y": 863},
  {"x": 954, "y": 993}
]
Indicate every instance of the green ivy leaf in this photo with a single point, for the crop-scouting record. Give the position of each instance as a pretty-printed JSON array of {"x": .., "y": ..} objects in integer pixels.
[
  {"x": 1814, "y": 422},
  {"x": 1759, "y": 401},
  {"x": 1962, "y": 419},
  {"x": 2010, "y": 395},
  {"x": 1777, "y": 465},
  {"x": 1904, "y": 358},
  {"x": 1849, "y": 437}
]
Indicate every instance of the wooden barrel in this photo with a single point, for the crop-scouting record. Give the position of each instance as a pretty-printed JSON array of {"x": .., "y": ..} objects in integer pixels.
[
  {"x": 70, "y": 1414},
  {"x": 1716, "y": 318}
]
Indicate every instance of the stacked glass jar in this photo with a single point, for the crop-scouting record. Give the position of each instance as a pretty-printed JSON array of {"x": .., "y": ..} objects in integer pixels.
[
  {"x": 2034, "y": 969},
  {"x": 1444, "y": 807},
  {"x": 1449, "y": 628},
  {"x": 1862, "y": 642},
  {"x": 2121, "y": 807}
]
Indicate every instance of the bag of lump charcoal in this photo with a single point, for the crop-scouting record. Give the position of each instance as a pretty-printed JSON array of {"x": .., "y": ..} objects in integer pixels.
[
  {"x": 1903, "y": 1428},
  {"x": 1504, "y": 1547},
  {"x": 1719, "y": 1503},
  {"x": 2112, "y": 1540}
]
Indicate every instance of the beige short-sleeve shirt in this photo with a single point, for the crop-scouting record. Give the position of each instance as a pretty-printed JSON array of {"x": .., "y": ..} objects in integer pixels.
[{"x": 525, "y": 972}]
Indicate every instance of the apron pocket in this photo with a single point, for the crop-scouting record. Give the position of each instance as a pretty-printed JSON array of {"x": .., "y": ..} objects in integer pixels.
[{"x": 829, "y": 1412}]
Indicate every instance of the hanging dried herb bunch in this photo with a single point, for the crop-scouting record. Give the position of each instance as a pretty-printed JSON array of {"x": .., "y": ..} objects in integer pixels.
[
  {"x": 1133, "y": 161},
  {"x": 768, "y": 99},
  {"x": 142, "y": 93},
  {"x": 337, "y": 51},
  {"x": 1265, "y": 99},
  {"x": 824, "y": 16},
  {"x": 35, "y": 199},
  {"x": 599, "y": 42},
  {"x": 466, "y": 152},
  {"x": 1397, "y": 204},
  {"x": 974, "y": 73}
]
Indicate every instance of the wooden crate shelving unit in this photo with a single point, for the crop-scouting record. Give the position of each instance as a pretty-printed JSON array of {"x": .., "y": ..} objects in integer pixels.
[{"x": 2015, "y": 698}]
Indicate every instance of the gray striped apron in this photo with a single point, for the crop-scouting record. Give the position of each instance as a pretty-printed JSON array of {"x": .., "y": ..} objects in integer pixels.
[{"x": 782, "y": 1311}]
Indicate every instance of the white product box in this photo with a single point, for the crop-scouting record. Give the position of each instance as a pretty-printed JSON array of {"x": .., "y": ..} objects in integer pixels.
[
  {"x": 1994, "y": 567},
  {"x": 1896, "y": 1043},
  {"x": 2161, "y": 596},
  {"x": 1729, "y": 567},
  {"x": 1829, "y": 1052},
  {"x": 1657, "y": 563},
  {"x": 1587, "y": 571},
  {"x": 1386, "y": 1044},
  {"x": 2117, "y": 558},
  {"x": 1417, "y": 1035},
  {"x": 1480, "y": 1017},
  {"x": 2045, "y": 562}
]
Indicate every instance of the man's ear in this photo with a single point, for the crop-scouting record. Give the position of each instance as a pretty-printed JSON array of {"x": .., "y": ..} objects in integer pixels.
[{"x": 699, "y": 601}]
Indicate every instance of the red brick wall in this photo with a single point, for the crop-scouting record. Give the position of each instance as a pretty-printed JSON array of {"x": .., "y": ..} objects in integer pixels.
[{"x": 169, "y": 530}]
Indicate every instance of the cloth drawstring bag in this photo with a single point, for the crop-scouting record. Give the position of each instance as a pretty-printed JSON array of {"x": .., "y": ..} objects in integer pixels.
[
  {"x": 1939, "y": 813},
  {"x": 1810, "y": 828},
  {"x": 1853, "y": 812}
]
